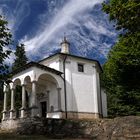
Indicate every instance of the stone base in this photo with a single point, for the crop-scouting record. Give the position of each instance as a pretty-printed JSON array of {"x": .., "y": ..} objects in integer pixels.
[
  {"x": 82, "y": 115},
  {"x": 56, "y": 115},
  {"x": 34, "y": 111},
  {"x": 22, "y": 125},
  {"x": 49, "y": 126},
  {"x": 73, "y": 115},
  {"x": 9, "y": 125},
  {"x": 12, "y": 114},
  {"x": 6, "y": 115}
]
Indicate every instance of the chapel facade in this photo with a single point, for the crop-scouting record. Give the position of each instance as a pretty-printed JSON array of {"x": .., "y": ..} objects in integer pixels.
[{"x": 60, "y": 86}]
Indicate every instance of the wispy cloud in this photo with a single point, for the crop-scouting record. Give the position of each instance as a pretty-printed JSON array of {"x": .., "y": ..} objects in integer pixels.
[
  {"x": 21, "y": 11},
  {"x": 66, "y": 16},
  {"x": 86, "y": 26},
  {"x": 15, "y": 17},
  {"x": 16, "y": 14}
]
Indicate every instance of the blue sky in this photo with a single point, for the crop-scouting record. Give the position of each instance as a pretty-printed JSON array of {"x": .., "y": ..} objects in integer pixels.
[{"x": 41, "y": 24}]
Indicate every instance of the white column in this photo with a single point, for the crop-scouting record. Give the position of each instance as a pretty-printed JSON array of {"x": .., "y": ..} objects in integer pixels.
[
  {"x": 12, "y": 103},
  {"x": 5, "y": 103},
  {"x": 95, "y": 89},
  {"x": 34, "y": 100},
  {"x": 23, "y": 102},
  {"x": 59, "y": 98},
  {"x": 23, "y": 97},
  {"x": 12, "y": 99}
]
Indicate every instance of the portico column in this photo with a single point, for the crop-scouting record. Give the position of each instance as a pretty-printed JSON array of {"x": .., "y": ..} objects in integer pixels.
[
  {"x": 23, "y": 102},
  {"x": 59, "y": 98},
  {"x": 5, "y": 103},
  {"x": 34, "y": 100},
  {"x": 12, "y": 103}
]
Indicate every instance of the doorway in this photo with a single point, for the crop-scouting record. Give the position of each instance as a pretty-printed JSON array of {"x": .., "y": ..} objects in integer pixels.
[{"x": 43, "y": 109}]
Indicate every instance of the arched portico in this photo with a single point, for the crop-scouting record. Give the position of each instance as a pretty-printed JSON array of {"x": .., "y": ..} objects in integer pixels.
[
  {"x": 34, "y": 82},
  {"x": 48, "y": 95}
]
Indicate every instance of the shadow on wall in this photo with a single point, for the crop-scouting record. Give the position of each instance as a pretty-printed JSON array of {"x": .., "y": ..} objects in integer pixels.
[{"x": 72, "y": 108}]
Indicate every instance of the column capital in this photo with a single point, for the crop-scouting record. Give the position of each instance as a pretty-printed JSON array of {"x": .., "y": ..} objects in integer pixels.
[
  {"x": 12, "y": 110},
  {"x": 13, "y": 88},
  {"x": 23, "y": 85},
  {"x": 12, "y": 85},
  {"x": 5, "y": 92},
  {"x": 4, "y": 111},
  {"x": 7, "y": 89},
  {"x": 34, "y": 81},
  {"x": 23, "y": 108}
]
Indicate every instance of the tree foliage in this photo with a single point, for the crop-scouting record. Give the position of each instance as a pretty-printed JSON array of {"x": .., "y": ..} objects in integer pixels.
[
  {"x": 122, "y": 70},
  {"x": 21, "y": 58},
  {"x": 5, "y": 40},
  {"x": 125, "y": 13},
  {"x": 20, "y": 61}
]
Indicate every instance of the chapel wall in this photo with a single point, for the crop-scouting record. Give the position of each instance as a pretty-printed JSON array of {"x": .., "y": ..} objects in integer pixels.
[{"x": 80, "y": 86}]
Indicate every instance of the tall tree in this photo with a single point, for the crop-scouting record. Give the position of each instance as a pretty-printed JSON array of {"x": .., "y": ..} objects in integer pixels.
[
  {"x": 5, "y": 40},
  {"x": 20, "y": 55},
  {"x": 125, "y": 13},
  {"x": 122, "y": 70},
  {"x": 20, "y": 61}
]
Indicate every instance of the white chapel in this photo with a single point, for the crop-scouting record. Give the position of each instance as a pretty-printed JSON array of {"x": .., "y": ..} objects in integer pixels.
[{"x": 60, "y": 86}]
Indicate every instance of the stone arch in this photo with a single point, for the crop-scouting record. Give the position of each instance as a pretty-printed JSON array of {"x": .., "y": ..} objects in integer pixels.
[
  {"x": 27, "y": 80},
  {"x": 28, "y": 89},
  {"x": 46, "y": 80},
  {"x": 48, "y": 85},
  {"x": 49, "y": 76},
  {"x": 18, "y": 94},
  {"x": 17, "y": 82}
]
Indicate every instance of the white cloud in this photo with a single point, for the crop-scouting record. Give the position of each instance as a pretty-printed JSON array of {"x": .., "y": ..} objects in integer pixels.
[
  {"x": 10, "y": 59},
  {"x": 65, "y": 16},
  {"x": 16, "y": 15},
  {"x": 15, "y": 18},
  {"x": 21, "y": 11},
  {"x": 98, "y": 28},
  {"x": 85, "y": 25}
]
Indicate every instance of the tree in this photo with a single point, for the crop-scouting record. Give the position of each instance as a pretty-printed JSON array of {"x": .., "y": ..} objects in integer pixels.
[
  {"x": 5, "y": 40},
  {"x": 122, "y": 70},
  {"x": 21, "y": 58},
  {"x": 125, "y": 13},
  {"x": 20, "y": 61}
]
